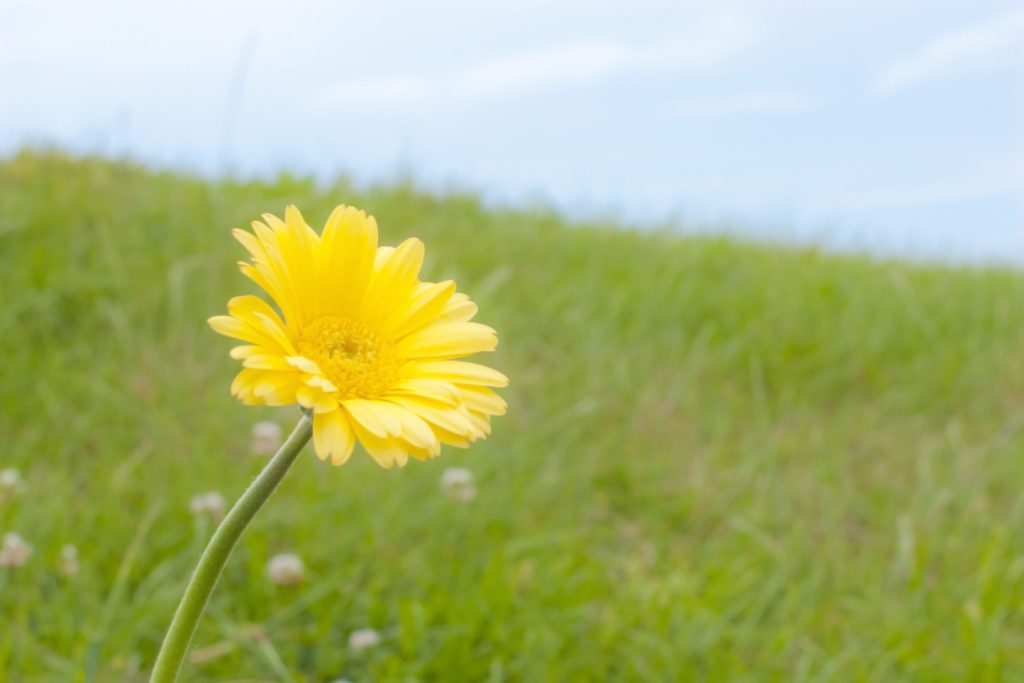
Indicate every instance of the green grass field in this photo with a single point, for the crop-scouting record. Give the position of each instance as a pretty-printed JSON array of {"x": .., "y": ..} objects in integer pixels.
[{"x": 721, "y": 461}]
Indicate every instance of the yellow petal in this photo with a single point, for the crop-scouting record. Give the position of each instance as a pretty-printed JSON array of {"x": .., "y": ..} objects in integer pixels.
[
  {"x": 369, "y": 415},
  {"x": 459, "y": 309},
  {"x": 297, "y": 226},
  {"x": 257, "y": 314},
  {"x": 448, "y": 340},
  {"x": 289, "y": 257},
  {"x": 260, "y": 274},
  {"x": 382, "y": 255},
  {"x": 268, "y": 237},
  {"x": 333, "y": 436},
  {"x": 243, "y": 352},
  {"x": 392, "y": 282},
  {"x": 386, "y": 452},
  {"x": 273, "y": 328},
  {"x": 244, "y": 387},
  {"x": 273, "y": 272},
  {"x": 277, "y": 388},
  {"x": 480, "y": 421},
  {"x": 232, "y": 327},
  {"x": 266, "y": 361},
  {"x": 320, "y": 382},
  {"x": 459, "y": 372},
  {"x": 423, "y": 307},
  {"x": 415, "y": 431},
  {"x": 315, "y": 399},
  {"x": 304, "y": 364},
  {"x": 345, "y": 260},
  {"x": 438, "y": 415},
  {"x": 438, "y": 390},
  {"x": 252, "y": 245},
  {"x": 482, "y": 400}
]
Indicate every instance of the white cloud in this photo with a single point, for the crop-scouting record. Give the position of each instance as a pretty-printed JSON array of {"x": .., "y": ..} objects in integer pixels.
[
  {"x": 752, "y": 102},
  {"x": 995, "y": 42},
  {"x": 710, "y": 43}
]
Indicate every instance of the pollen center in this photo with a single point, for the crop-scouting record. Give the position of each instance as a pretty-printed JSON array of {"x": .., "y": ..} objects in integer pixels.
[{"x": 355, "y": 359}]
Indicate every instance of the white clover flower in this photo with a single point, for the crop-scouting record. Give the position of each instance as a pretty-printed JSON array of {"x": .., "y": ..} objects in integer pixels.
[
  {"x": 10, "y": 483},
  {"x": 9, "y": 478},
  {"x": 15, "y": 551},
  {"x": 286, "y": 569},
  {"x": 69, "y": 560},
  {"x": 363, "y": 639},
  {"x": 211, "y": 504},
  {"x": 457, "y": 482},
  {"x": 266, "y": 438}
]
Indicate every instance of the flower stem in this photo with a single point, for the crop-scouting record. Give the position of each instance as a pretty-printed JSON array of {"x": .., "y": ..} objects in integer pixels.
[{"x": 193, "y": 602}]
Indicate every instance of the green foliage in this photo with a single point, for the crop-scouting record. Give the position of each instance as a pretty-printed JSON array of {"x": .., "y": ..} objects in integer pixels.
[{"x": 722, "y": 461}]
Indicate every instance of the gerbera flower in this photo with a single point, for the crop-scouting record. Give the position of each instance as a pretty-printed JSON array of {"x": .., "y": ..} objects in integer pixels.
[{"x": 359, "y": 340}]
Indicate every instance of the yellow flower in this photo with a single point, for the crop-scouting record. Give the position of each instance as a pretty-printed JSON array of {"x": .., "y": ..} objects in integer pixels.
[{"x": 360, "y": 340}]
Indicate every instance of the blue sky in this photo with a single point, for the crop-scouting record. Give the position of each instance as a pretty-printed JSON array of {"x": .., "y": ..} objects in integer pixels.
[{"x": 892, "y": 125}]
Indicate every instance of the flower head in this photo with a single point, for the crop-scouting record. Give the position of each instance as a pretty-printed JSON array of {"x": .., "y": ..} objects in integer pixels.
[
  {"x": 357, "y": 338},
  {"x": 266, "y": 438},
  {"x": 286, "y": 569},
  {"x": 457, "y": 482},
  {"x": 69, "y": 560},
  {"x": 10, "y": 483},
  {"x": 211, "y": 504},
  {"x": 14, "y": 552},
  {"x": 363, "y": 639}
]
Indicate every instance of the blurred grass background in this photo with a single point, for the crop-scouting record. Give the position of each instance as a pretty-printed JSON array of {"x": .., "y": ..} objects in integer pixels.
[{"x": 721, "y": 461}]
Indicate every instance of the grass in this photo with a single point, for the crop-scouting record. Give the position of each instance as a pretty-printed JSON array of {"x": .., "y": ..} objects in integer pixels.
[{"x": 722, "y": 461}]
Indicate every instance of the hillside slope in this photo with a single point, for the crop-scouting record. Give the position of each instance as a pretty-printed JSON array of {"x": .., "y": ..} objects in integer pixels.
[{"x": 722, "y": 461}]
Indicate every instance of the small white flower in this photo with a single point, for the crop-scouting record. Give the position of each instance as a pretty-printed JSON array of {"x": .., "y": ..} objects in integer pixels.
[
  {"x": 69, "y": 560},
  {"x": 266, "y": 438},
  {"x": 15, "y": 551},
  {"x": 286, "y": 569},
  {"x": 363, "y": 639},
  {"x": 211, "y": 504},
  {"x": 9, "y": 478},
  {"x": 10, "y": 483},
  {"x": 457, "y": 482}
]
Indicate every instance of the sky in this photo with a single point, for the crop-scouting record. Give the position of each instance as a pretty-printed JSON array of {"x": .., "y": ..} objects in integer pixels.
[{"x": 891, "y": 126}]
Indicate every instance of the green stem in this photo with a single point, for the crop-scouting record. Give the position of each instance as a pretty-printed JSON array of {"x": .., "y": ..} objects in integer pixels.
[{"x": 183, "y": 626}]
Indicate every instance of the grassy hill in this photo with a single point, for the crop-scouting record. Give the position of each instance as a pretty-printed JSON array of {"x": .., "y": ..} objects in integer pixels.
[{"x": 721, "y": 461}]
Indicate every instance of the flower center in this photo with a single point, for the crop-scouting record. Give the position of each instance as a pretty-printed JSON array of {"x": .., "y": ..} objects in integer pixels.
[{"x": 355, "y": 359}]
